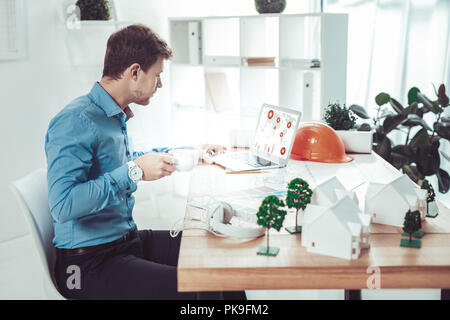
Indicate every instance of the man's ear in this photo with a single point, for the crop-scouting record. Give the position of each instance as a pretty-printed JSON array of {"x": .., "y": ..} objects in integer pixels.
[{"x": 133, "y": 71}]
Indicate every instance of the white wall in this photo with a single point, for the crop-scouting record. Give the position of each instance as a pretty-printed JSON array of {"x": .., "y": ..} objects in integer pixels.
[
  {"x": 28, "y": 100},
  {"x": 34, "y": 89}
]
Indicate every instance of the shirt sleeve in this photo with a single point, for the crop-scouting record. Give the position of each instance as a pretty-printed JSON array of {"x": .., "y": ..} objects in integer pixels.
[{"x": 69, "y": 147}]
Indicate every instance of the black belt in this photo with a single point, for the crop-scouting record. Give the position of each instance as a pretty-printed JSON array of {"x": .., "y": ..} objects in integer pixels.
[{"x": 84, "y": 250}]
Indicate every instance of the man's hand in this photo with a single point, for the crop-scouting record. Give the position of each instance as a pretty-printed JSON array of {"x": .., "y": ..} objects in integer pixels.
[
  {"x": 156, "y": 165},
  {"x": 207, "y": 151}
]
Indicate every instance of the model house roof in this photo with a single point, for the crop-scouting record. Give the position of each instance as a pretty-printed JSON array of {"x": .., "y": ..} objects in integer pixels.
[
  {"x": 342, "y": 193},
  {"x": 345, "y": 210},
  {"x": 402, "y": 185},
  {"x": 327, "y": 189}
]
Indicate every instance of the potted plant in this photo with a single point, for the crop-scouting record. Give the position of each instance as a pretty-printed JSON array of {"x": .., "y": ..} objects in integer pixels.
[
  {"x": 298, "y": 197},
  {"x": 270, "y": 6},
  {"x": 270, "y": 215},
  {"x": 357, "y": 139},
  {"x": 419, "y": 155},
  {"x": 94, "y": 9}
]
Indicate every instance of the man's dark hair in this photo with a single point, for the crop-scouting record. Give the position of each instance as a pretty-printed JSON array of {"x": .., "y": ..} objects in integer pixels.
[{"x": 133, "y": 44}]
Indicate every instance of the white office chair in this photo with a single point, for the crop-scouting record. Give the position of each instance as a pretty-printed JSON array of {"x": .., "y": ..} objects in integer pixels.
[{"x": 31, "y": 192}]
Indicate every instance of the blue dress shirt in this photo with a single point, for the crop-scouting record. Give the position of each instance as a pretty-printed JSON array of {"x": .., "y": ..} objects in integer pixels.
[{"x": 90, "y": 193}]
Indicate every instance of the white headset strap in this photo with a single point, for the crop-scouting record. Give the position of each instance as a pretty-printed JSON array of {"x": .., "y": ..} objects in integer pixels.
[
  {"x": 179, "y": 225},
  {"x": 229, "y": 230}
]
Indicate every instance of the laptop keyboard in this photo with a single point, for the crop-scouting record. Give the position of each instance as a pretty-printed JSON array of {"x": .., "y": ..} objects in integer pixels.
[{"x": 252, "y": 160}]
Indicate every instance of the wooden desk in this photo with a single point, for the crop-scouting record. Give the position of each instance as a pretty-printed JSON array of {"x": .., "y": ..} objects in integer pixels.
[{"x": 209, "y": 263}]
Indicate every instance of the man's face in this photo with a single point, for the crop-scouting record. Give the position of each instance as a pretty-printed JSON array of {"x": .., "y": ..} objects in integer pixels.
[{"x": 148, "y": 82}]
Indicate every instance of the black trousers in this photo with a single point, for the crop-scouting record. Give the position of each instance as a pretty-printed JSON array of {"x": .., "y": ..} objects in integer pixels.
[{"x": 143, "y": 267}]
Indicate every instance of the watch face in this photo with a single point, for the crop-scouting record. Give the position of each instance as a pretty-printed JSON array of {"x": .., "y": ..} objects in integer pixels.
[{"x": 135, "y": 173}]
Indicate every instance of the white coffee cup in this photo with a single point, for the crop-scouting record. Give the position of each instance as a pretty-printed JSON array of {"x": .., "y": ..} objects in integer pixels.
[{"x": 186, "y": 159}]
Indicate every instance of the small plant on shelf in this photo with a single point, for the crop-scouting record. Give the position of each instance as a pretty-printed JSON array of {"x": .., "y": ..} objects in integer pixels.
[
  {"x": 94, "y": 9},
  {"x": 298, "y": 197},
  {"x": 270, "y": 6},
  {"x": 270, "y": 215},
  {"x": 411, "y": 225}
]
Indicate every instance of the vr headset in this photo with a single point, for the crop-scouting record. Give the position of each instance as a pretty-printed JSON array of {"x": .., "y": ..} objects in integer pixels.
[{"x": 218, "y": 220}]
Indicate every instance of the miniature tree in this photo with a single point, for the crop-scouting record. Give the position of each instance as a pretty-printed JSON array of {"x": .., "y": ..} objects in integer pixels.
[
  {"x": 431, "y": 195},
  {"x": 298, "y": 197},
  {"x": 270, "y": 215},
  {"x": 411, "y": 225}
]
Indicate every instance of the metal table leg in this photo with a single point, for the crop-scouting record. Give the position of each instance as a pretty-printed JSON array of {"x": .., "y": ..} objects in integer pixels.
[{"x": 352, "y": 294}]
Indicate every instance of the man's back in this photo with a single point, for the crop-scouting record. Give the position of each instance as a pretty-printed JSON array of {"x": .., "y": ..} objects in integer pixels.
[{"x": 90, "y": 192}]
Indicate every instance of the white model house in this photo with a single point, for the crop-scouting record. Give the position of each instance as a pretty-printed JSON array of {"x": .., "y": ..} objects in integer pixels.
[
  {"x": 388, "y": 203},
  {"x": 339, "y": 230},
  {"x": 330, "y": 191}
]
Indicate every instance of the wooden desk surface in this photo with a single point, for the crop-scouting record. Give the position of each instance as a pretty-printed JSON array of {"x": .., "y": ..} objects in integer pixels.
[{"x": 208, "y": 263}]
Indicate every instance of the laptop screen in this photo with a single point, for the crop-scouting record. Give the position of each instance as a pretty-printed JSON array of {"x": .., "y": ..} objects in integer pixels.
[{"x": 276, "y": 131}]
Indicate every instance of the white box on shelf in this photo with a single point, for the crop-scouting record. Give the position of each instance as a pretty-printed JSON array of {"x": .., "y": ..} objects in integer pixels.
[
  {"x": 222, "y": 61},
  {"x": 299, "y": 63}
]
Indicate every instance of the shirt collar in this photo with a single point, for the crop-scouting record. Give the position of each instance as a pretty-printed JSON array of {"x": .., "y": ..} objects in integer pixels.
[{"x": 102, "y": 99}]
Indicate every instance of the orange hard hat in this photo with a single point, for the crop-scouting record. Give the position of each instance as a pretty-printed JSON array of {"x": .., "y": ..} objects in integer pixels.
[{"x": 316, "y": 141}]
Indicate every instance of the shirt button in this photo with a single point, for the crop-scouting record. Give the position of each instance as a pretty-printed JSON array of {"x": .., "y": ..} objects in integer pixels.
[
  {"x": 123, "y": 128},
  {"x": 128, "y": 195}
]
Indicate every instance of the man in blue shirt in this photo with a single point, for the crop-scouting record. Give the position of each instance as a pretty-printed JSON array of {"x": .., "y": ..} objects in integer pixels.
[{"x": 93, "y": 172}]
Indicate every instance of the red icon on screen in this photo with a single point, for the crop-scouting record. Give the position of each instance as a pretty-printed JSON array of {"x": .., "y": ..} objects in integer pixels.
[
  {"x": 283, "y": 151},
  {"x": 270, "y": 114},
  {"x": 278, "y": 120},
  {"x": 289, "y": 124},
  {"x": 281, "y": 134}
]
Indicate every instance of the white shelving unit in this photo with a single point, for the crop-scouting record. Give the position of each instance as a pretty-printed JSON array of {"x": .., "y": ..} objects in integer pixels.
[
  {"x": 309, "y": 70},
  {"x": 86, "y": 39}
]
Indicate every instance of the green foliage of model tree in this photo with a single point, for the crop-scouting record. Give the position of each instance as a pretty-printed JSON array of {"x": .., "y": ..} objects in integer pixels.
[
  {"x": 270, "y": 6},
  {"x": 298, "y": 196},
  {"x": 418, "y": 156},
  {"x": 271, "y": 214},
  {"x": 339, "y": 118},
  {"x": 431, "y": 195},
  {"x": 412, "y": 223},
  {"x": 94, "y": 9}
]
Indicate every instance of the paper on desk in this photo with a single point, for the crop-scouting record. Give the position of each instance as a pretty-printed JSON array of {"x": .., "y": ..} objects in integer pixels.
[
  {"x": 248, "y": 198},
  {"x": 315, "y": 173}
]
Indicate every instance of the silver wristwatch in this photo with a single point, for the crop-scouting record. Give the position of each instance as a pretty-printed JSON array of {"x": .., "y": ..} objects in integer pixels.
[{"x": 134, "y": 172}]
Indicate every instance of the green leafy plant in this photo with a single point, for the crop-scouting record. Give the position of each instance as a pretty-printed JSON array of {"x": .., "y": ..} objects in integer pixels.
[
  {"x": 270, "y": 6},
  {"x": 298, "y": 197},
  {"x": 94, "y": 9},
  {"x": 418, "y": 156},
  {"x": 339, "y": 118},
  {"x": 271, "y": 215}
]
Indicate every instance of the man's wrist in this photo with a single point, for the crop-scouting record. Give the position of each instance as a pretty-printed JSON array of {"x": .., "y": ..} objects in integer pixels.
[{"x": 134, "y": 172}]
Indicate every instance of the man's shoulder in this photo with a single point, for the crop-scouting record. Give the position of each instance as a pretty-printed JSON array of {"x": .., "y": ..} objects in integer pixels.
[{"x": 80, "y": 109}]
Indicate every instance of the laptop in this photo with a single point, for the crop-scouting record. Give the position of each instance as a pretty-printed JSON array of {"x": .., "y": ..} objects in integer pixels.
[{"x": 272, "y": 143}]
